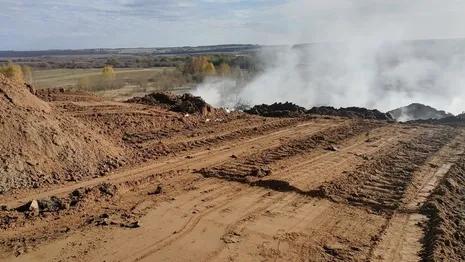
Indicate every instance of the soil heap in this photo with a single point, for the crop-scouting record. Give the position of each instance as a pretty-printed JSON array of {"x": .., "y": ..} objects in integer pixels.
[
  {"x": 277, "y": 110},
  {"x": 352, "y": 112},
  {"x": 186, "y": 103},
  {"x": 417, "y": 111},
  {"x": 39, "y": 145}
]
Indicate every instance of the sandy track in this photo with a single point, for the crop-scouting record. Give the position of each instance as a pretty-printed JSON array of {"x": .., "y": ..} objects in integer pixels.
[{"x": 317, "y": 205}]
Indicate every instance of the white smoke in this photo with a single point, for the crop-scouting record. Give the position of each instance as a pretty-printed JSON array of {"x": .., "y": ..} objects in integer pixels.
[{"x": 370, "y": 66}]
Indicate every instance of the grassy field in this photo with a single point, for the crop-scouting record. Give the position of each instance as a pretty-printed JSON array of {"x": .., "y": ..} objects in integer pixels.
[{"x": 69, "y": 77}]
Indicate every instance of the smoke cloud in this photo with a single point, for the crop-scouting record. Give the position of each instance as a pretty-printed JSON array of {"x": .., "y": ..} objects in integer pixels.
[{"x": 367, "y": 60}]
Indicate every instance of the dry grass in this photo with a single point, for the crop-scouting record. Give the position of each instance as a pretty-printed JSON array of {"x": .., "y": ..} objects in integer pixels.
[{"x": 69, "y": 77}]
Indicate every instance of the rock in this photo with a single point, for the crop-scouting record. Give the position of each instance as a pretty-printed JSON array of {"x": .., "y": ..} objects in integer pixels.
[
  {"x": 32, "y": 162},
  {"x": 34, "y": 206},
  {"x": 157, "y": 191},
  {"x": 332, "y": 148},
  {"x": 135, "y": 224},
  {"x": 260, "y": 172},
  {"x": 234, "y": 156},
  {"x": 51, "y": 205},
  {"x": 107, "y": 189}
]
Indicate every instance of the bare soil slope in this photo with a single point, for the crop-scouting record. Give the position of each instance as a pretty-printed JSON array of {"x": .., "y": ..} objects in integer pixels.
[{"x": 40, "y": 146}]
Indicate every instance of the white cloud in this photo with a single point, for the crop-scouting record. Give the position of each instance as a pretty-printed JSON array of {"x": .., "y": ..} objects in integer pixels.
[{"x": 115, "y": 23}]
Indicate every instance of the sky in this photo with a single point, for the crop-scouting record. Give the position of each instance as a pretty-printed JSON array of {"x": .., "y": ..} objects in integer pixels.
[{"x": 77, "y": 24}]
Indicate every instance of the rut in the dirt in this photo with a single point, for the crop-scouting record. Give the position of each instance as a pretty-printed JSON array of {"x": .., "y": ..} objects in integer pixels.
[
  {"x": 255, "y": 166},
  {"x": 161, "y": 149},
  {"x": 380, "y": 184}
]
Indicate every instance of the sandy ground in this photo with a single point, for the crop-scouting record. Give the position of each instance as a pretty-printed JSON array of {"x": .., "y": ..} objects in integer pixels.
[{"x": 241, "y": 188}]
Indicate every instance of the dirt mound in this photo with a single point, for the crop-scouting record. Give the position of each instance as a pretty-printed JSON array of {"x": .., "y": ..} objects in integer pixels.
[
  {"x": 39, "y": 145},
  {"x": 277, "y": 110},
  {"x": 446, "y": 209},
  {"x": 352, "y": 112},
  {"x": 186, "y": 103},
  {"x": 61, "y": 94},
  {"x": 417, "y": 111}
]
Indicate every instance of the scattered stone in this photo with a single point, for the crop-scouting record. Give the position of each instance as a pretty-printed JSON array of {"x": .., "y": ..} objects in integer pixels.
[
  {"x": 332, "y": 251},
  {"x": 33, "y": 206},
  {"x": 135, "y": 224},
  {"x": 107, "y": 189},
  {"x": 32, "y": 162},
  {"x": 157, "y": 191},
  {"x": 260, "y": 172},
  {"x": 231, "y": 238},
  {"x": 332, "y": 148},
  {"x": 234, "y": 156},
  {"x": 54, "y": 204},
  {"x": 64, "y": 230}
]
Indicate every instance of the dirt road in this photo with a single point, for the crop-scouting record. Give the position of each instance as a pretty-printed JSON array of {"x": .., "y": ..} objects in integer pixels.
[
  {"x": 314, "y": 190},
  {"x": 227, "y": 186}
]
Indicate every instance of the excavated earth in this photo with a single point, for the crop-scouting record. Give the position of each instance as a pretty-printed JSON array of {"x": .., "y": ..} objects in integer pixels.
[{"x": 139, "y": 181}]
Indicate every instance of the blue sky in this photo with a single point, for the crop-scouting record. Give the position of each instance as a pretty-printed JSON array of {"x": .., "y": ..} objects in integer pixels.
[{"x": 51, "y": 24}]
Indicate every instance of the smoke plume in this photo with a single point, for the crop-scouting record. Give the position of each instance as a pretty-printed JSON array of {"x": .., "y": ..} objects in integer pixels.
[{"x": 372, "y": 63}]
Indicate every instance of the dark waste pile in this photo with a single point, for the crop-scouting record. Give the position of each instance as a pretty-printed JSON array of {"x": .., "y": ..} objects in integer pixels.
[
  {"x": 186, "y": 103},
  {"x": 417, "y": 111},
  {"x": 352, "y": 112},
  {"x": 277, "y": 110},
  {"x": 458, "y": 120},
  {"x": 292, "y": 110}
]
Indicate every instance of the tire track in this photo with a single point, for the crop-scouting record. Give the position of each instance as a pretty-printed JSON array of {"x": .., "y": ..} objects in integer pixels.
[
  {"x": 242, "y": 168},
  {"x": 382, "y": 183},
  {"x": 402, "y": 239}
]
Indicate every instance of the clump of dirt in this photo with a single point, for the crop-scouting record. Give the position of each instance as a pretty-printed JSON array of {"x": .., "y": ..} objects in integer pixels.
[
  {"x": 61, "y": 94},
  {"x": 40, "y": 145},
  {"x": 417, "y": 111},
  {"x": 186, "y": 103},
  {"x": 445, "y": 234},
  {"x": 352, "y": 112},
  {"x": 277, "y": 110}
]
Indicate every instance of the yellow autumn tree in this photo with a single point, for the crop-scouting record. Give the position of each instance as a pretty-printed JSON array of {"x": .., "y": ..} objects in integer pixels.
[
  {"x": 196, "y": 65},
  {"x": 13, "y": 72},
  {"x": 209, "y": 70},
  {"x": 27, "y": 73},
  {"x": 108, "y": 74},
  {"x": 224, "y": 70}
]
